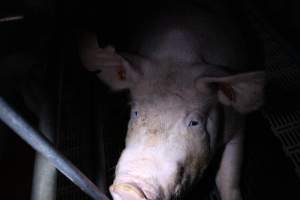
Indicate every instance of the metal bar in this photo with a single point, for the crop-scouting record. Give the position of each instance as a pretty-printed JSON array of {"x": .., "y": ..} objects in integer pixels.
[
  {"x": 11, "y": 18},
  {"x": 44, "y": 147}
]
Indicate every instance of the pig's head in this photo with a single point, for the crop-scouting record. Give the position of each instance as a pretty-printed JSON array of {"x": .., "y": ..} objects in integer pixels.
[{"x": 174, "y": 120}]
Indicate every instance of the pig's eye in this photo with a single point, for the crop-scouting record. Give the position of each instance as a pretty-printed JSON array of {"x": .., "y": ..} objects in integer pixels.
[
  {"x": 193, "y": 123},
  {"x": 134, "y": 114}
]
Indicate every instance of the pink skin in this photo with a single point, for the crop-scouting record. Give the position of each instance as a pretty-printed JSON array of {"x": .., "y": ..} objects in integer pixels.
[
  {"x": 163, "y": 152},
  {"x": 160, "y": 157},
  {"x": 177, "y": 98}
]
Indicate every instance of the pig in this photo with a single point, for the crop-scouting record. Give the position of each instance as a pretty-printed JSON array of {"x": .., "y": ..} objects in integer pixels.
[{"x": 190, "y": 90}]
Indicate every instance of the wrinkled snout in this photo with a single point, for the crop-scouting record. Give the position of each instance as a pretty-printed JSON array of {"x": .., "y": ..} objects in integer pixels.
[
  {"x": 143, "y": 177},
  {"x": 127, "y": 191},
  {"x": 135, "y": 188}
]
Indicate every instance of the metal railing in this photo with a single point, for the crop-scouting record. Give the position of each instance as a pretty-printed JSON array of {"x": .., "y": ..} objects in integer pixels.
[{"x": 39, "y": 143}]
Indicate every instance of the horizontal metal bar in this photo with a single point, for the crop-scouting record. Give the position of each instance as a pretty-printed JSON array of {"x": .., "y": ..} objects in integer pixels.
[{"x": 44, "y": 147}]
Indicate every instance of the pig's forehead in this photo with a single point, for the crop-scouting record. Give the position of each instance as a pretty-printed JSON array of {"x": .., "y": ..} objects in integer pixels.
[
  {"x": 171, "y": 88},
  {"x": 163, "y": 91},
  {"x": 163, "y": 80},
  {"x": 160, "y": 99}
]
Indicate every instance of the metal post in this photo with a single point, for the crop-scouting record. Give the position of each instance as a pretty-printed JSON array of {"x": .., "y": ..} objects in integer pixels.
[{"x": 44, "y": 147}]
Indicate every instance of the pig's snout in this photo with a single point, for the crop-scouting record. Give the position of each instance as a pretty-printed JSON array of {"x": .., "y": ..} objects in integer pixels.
[
  {"x": 127, "y": 191},
  {"x": 133, "y": 188}
]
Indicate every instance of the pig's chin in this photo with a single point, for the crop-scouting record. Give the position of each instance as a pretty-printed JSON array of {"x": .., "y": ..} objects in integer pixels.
[{"x": 135, "y": 189}]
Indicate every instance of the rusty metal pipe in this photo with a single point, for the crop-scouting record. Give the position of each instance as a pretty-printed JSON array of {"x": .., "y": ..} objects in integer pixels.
[{"x": 12, "y": 119}]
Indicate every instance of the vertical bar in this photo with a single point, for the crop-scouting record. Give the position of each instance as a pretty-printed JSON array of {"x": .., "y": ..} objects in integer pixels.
[{"x": 44, "y": 147}]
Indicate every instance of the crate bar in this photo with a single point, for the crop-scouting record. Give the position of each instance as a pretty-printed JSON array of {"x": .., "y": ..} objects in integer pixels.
[
  {"x": 44, "y": 147},
  {"x": 11, "y": 18}
]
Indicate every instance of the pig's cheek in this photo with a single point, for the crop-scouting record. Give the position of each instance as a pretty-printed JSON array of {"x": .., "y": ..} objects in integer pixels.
[
  {"x": 133, "y": 126},
  {"x": 131, "y": 132},
  {"x": 197, "y": 156}
]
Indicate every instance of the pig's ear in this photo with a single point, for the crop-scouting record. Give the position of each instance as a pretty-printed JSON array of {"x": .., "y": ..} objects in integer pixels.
[
  {"x": 244, "y": 92},
  {"x": 115, "y": 70}
]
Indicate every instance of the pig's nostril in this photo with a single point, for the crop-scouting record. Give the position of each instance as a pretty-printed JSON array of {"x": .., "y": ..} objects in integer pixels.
[{"x": 126, "y": 191}]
